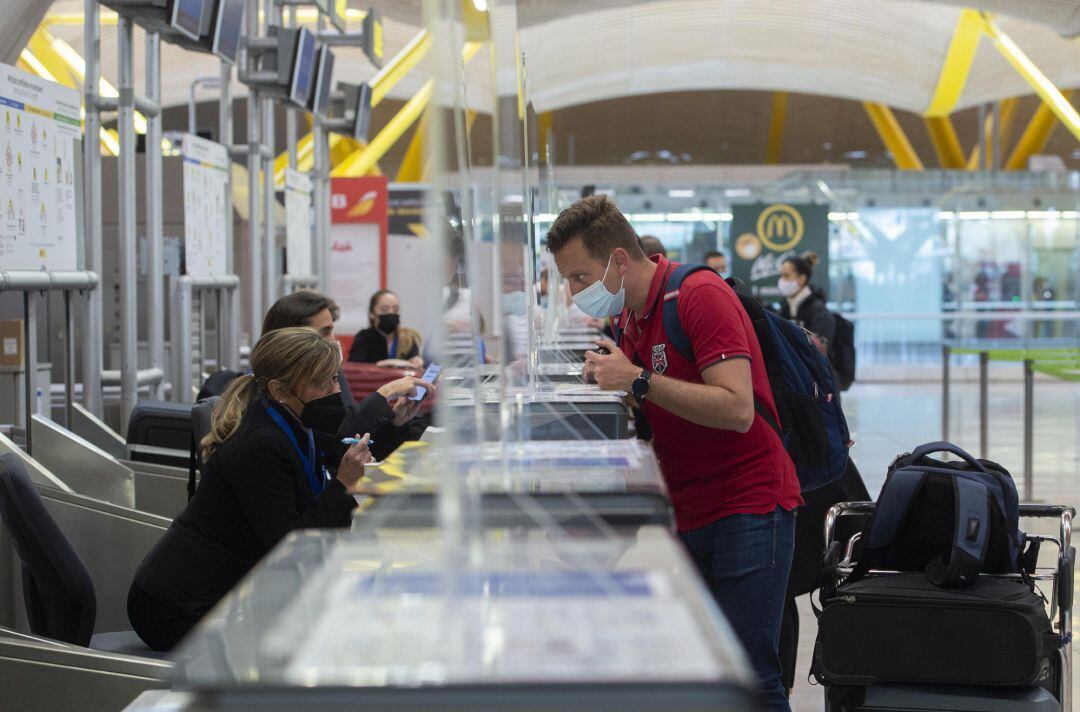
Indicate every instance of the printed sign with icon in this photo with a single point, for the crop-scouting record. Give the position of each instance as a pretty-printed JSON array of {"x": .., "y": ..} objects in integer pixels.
[{"x": 764, "y": 235}]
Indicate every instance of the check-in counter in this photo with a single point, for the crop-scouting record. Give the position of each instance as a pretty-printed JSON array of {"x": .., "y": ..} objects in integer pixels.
[
  {"x": 516, "y": 620},
  {"x": 566, "y": 411},
  {"x": 569, "y": 483}
]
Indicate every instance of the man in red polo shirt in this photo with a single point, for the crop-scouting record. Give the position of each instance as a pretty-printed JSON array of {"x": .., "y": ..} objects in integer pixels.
[{"x": 732, "y": 483}]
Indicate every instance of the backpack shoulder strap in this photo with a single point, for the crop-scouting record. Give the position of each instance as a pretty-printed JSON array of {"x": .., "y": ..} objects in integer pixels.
[
  {"x": 970, "y": 536},
  {"x": 893, "y": 504},
  {"x": 673, "y": 328}
]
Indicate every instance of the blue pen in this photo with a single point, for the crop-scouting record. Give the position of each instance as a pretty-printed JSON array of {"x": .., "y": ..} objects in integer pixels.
[{"x": 354, "y": 441}]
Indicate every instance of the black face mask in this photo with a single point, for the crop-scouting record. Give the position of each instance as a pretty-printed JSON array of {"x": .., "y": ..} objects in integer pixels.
[
  {"x": 324, "y": 414},
  {"x": 388, "y": 323}
]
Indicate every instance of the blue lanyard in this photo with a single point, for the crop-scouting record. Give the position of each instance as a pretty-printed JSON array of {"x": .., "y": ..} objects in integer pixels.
[
  {"x": 393, "y": 347},
  {"x": 317, "y": 484}
]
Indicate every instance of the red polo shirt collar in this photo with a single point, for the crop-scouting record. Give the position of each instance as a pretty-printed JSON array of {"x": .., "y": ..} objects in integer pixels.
[{"x": 655, "y": 287}]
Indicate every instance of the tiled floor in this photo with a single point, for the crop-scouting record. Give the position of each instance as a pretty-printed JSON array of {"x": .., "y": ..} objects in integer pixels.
[{"x": 887, "y": 419}]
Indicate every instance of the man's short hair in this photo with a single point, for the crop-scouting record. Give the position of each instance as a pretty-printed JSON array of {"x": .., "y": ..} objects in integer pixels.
[
  {"x": 714, "y": 253},
  {"x": 601, "y": 226},
  {"x": 651, "y": 245},
  {"x": 297, "y": 309}
]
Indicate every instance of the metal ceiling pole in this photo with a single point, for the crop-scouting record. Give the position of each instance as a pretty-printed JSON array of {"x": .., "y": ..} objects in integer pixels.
[
  {"x": 255, "y": 233},
  {"x": 291, "y": 113},
  {"x": 129, "y": 334},
  {"x": 274, "y": 13},
  {"x": 270, "y": 226},
  {"x": 229, "y": 338},
  {"x": 92, "y": 332},
  {"x": 321, "y": 188},
  {"x": 155, "y": 273}
]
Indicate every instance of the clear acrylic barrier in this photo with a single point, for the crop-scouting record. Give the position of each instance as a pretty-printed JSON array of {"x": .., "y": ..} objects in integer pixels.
[{"x": 340, "y": 612}]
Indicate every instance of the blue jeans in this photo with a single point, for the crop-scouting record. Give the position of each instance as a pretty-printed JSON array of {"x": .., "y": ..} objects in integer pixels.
[{"x": 745, "y": 560}]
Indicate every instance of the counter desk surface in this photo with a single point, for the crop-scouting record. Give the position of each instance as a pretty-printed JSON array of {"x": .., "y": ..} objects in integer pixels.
[{"x": 518, "y": 619}]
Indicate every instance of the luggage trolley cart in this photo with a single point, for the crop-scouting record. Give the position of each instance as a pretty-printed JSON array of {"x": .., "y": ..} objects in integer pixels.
[{"x": 914, "y": 698}]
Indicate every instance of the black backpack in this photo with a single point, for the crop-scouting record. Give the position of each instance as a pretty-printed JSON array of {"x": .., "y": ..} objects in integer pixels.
[
  {"x": 842, "y": 351},
  {"x": 953, "y": 520}
]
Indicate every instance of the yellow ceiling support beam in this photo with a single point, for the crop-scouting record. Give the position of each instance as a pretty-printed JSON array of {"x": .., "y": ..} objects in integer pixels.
[
  {"x": 412, "y": 165},
  {"x": 957, "y": 65},
  {"x": 1008, "y": 121},
  {"x": 402, "y": 63},
  {"x": 1051, "y": 95},
  {"x": 361, "y": 161},
  {"x": 776, "y": 127},
  {"x": 304, "y": 151},
  {"x": 1035, "y": 136},
  {"x": 893, "y": 137},
  {"x": 975, "y": 160},
  {"x": 946, "y": 144}
]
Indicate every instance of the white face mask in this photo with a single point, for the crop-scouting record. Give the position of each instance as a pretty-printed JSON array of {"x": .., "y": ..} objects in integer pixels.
[
  {"x": 596, "y": 301},
  {"x": 788, "y": 287}
]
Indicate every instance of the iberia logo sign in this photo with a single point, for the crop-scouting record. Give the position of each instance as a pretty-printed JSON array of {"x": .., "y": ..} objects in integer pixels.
[{"x": 358, "y": 200}]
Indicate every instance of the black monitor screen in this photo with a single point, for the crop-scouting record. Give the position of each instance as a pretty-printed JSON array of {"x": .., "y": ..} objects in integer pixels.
[
  {"x": 363, "y": 113},
  {"x": 227, "y": 25},
  {"x": 323, "y": 85},
  {"x": 303, "y": 68},
  {"x": 187, "y": 17}
]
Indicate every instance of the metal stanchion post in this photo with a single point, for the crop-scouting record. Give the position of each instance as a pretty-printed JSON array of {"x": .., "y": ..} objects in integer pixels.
[
  {"x": 984, "y": 404},
  {"x": 946, "y": 359},
  {"x": 1029, "y": 430},
  {"x": 30, "y": 365},
  {"x": 155, "y": 279},
  {"x": 91, "y": 327},
  {"x": 69, "y": 363},
  {"x": 129, "y": 335}
]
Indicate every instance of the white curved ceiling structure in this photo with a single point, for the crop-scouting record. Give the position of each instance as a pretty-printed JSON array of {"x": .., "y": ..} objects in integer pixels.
[{"x": 888, "y": 51}]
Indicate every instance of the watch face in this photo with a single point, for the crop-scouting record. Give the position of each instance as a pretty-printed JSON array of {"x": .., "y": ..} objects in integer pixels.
[{"x": 640, "y": 387}]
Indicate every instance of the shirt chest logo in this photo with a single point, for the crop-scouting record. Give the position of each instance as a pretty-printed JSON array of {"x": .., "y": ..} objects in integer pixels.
[{"x": 659, "y": 358}]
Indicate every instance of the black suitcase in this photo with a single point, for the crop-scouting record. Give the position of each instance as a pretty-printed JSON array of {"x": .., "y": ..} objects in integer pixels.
[{"x": 901, "y": 628}]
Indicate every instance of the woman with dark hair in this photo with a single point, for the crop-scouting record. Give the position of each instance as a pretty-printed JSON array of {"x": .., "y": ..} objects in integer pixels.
[
  {"x": 386, "y": 342},
  {"x": 804, "y": 303},
  {"x": 272, "y": 443}
]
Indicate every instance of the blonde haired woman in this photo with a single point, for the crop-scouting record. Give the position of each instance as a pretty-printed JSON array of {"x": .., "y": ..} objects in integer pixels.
[{"x": 268, "y": 458}]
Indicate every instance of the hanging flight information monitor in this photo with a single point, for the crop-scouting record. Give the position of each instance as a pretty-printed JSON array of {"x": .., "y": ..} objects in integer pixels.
[
  {"x": 303, "y": 68},
  {"x": 324, "y": 73},
  {"x": 186, "y": 17},
  {"x": 358, "y": 108},
  {"x": 225, "y": 33},
  {"x": 39, "y": 141}
]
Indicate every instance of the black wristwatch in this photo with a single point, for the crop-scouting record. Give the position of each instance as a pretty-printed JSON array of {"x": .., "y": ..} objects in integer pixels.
[{"x": 640, "y": 387}]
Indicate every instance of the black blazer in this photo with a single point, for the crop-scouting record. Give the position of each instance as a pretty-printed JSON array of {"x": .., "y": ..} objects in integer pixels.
[
  {"x": 369, "y": 346},
  {"x": 254, "y": 491}
]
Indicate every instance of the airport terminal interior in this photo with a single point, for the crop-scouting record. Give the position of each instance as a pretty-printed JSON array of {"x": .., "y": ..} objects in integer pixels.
[{"x": 539, "y": 355}]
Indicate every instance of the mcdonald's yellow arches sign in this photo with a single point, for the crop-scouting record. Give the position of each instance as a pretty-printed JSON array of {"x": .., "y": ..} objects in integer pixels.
[{"x": 763, "y": 235}]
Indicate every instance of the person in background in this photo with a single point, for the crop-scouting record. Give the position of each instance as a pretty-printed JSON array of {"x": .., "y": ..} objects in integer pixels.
[
  {"x": 386, "y": 413},
  {"x": 717, "y": 262},
  {"x": 268, "y": 455},
  {"x": 307, "y": 308},
  {"x": 386, "y": 342},
  {"x": 732, "y": 484},
  {"x": 804, "y": 303},
  {"x": 651, "y": 245}
]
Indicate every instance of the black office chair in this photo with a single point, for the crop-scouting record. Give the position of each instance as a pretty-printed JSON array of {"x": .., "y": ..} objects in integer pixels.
[{"x": 57, "y": 588}]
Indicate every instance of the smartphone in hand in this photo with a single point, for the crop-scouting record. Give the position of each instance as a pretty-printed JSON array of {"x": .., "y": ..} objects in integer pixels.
[{"x": 430, "y": 375}]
